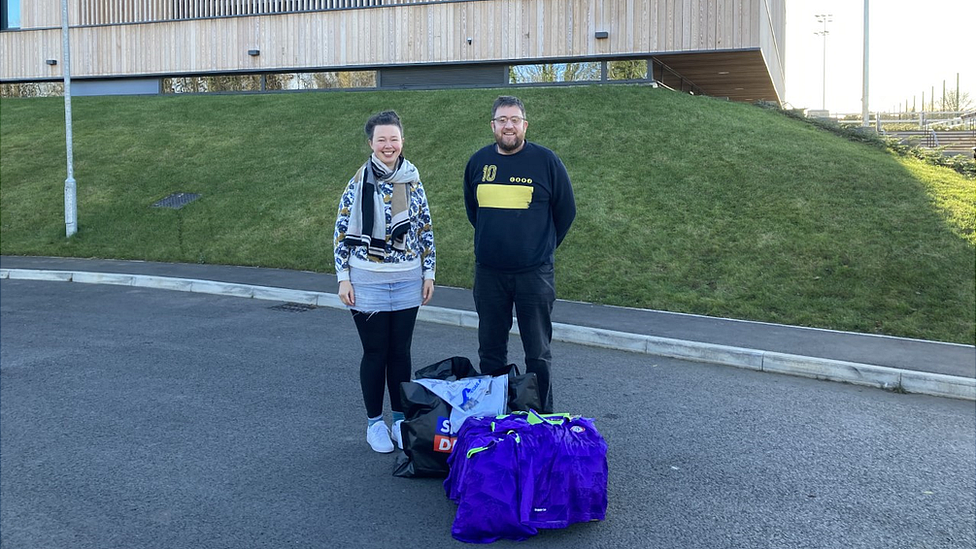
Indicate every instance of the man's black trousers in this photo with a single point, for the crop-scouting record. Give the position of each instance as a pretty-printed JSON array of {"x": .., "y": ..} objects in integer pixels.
[{"x": 532, "y": 294}]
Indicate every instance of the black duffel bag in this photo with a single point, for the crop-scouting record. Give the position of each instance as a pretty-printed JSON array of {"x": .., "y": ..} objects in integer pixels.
[{"x": 426, "y": 431}]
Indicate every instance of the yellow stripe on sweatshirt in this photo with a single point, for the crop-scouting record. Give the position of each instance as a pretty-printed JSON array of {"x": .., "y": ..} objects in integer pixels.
[{"x": 504, "y": 197}]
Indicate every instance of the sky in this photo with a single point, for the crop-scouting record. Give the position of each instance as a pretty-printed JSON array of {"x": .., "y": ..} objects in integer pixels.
[{"x": 913, "y": 46}]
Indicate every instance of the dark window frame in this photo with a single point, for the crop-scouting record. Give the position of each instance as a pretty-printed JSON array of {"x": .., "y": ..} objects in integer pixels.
[{"x": 5, "y": 15}]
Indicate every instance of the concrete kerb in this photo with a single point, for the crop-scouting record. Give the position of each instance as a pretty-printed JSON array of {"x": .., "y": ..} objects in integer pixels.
[
  {"x": 22, "y": 274},
  {"x": 880, "y": 377}
]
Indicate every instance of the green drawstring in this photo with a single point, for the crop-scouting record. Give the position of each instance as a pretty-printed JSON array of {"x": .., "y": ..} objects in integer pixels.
[
  {"x": 473, "y": 451},
  {"x": 535, "y": 418},
  {"x": 532, "y": 417}
]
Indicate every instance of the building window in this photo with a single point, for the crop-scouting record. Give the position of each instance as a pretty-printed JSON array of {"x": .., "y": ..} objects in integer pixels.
[
  {"x": 270, "y": 82},
  {"x": 555, "y": 72},
  {"x": 321, "y": 80},
  {"x": 32, "y": 89},
  {"x": 9, "y": 14},
  {"x": 205, "y": 84},
  {"x": 635, "y": 69}
]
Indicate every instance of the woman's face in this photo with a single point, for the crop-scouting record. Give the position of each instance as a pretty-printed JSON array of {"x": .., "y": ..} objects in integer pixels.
[{"x": 387, "y": 144}]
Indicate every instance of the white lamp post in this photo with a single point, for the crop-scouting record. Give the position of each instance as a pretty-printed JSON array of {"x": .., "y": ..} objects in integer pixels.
[
  {"x": 70, "y": 189},
  {"x": 824, "y": 18},
  {"x": 864, "y": 92}
]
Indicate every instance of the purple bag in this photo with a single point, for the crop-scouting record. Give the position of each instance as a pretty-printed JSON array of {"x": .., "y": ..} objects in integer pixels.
[
  {"x": 475, "y": 432},
  {"x": 513, "y": 474},
  {"x": 488, "y": 497},
  {"x": 565, "y": 470}
]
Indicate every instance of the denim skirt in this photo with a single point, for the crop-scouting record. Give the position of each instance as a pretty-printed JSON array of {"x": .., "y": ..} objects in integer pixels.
[{"x": 374, "y": 297}]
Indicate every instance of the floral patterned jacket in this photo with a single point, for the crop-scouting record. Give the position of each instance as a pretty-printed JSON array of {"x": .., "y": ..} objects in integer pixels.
[{"x": 419, "y": 241}]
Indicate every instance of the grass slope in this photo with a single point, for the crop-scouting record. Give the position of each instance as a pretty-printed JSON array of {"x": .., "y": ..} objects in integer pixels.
[{"x": 686, "y": 203}]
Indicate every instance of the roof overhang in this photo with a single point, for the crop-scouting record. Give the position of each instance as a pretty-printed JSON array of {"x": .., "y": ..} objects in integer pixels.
[{"x": 740, "y": 75}]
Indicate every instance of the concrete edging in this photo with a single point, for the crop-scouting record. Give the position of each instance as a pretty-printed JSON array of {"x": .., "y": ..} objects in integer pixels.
[{"x": 881, "y": 377}]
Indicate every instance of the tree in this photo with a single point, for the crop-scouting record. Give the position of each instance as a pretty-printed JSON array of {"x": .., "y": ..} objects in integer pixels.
[
  {"x": 357, "y": 79},
  {"x": 554, "y": 72},
  {"x": 32, "y": 89},
  {"x": 581, "y": 72},
  {"x": 627, "y": 70},
  {"x": 955, "y": 101},
  {"x": 522, "y": 74}
]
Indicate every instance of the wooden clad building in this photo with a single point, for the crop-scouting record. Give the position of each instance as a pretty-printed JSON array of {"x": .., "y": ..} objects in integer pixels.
[{"x": 725, "y": 48}]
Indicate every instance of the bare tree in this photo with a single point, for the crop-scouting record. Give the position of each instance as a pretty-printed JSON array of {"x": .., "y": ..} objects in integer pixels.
[
  {"x": 522, "y": 74},
  {"x": 581, "y": 72},
  {"x": 32, "y": 89},
  {"x": 627, "y": 70},
  {"x": 357, "y": 79},
  {"x": 955, "y": 101}
]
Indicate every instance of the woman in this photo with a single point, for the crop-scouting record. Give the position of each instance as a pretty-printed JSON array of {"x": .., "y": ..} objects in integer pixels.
[{"x": 384, "y": 260}]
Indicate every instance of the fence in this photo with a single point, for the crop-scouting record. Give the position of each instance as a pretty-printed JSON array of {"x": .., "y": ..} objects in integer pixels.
[{"x": 922, "y": 120}]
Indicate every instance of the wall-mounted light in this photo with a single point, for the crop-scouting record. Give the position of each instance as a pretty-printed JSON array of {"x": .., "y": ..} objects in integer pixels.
[
  {"x": 602, "y": 34},
  {"x": 51, "y": 62},
  {"x": 254, "y": 53},
  {"x": 469, "y": 40}
]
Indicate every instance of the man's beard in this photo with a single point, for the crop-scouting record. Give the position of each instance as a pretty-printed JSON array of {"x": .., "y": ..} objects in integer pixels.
[{"x": 509, "y": 148}]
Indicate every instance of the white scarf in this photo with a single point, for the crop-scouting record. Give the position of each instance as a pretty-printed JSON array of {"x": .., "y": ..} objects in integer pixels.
[{"x": 367, "y": 217}]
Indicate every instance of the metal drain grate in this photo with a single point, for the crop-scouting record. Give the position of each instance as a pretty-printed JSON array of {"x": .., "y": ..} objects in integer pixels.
[
  {"x": 176, "y": 200},
  {"x": 293, "y": 307}
]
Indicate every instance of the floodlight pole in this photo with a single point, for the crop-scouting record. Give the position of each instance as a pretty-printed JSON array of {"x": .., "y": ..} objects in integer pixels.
[
  {"x": 824, "y": 18},
  {"x": 70, "y": 188},
  {"x": 864, "y": 97}
]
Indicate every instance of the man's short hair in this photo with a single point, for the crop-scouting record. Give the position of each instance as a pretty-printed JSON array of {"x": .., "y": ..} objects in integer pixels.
[
  {"x": 385, "y": 118},
  {"x": 507, "y": 101}
]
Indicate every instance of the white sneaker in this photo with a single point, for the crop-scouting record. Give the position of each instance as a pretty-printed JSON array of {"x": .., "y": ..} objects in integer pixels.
[
  {"x": 378, "y": 437},
  {"x": 397, "y": 434}
]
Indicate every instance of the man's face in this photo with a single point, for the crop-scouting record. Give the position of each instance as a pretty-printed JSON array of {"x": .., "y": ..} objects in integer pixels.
[{"x": 509, "y": 135}]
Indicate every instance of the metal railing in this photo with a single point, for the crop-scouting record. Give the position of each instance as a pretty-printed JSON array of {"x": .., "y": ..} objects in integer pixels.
[
  {"x": 952, "y": 141},
  {"x": 922, "y": 120},
  {"x": 667, "y": 77}
]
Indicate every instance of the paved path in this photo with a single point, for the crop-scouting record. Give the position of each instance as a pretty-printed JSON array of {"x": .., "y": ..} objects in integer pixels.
[
  {"x": 141, "y": 418},
  {"x": 909, "y": 365}
]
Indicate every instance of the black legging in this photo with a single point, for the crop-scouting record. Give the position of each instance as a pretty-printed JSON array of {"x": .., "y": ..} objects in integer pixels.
[{"x": 386, "y": 338}]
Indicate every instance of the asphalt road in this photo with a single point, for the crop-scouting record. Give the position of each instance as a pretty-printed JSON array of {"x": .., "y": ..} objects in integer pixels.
[{"x": 144, "y": 418}]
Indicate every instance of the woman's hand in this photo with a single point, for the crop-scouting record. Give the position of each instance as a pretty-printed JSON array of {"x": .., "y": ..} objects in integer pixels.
[
  {"x": 428, "y": 290},
  {"x": 346, "y": 294}
]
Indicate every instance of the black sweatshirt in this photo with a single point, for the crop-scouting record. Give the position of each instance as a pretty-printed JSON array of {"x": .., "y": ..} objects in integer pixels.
[{"x": 521, "y": 206}]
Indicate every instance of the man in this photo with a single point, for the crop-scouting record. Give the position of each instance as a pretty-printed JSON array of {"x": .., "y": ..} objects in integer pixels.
[{"x": 520, "y": 201}]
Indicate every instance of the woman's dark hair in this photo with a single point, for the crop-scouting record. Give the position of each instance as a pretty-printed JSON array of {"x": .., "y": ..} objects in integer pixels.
[{"x": 385, "y": 118}]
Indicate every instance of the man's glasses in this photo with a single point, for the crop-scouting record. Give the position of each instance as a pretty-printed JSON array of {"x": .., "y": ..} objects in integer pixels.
[{"x": 504, "y": 120}]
